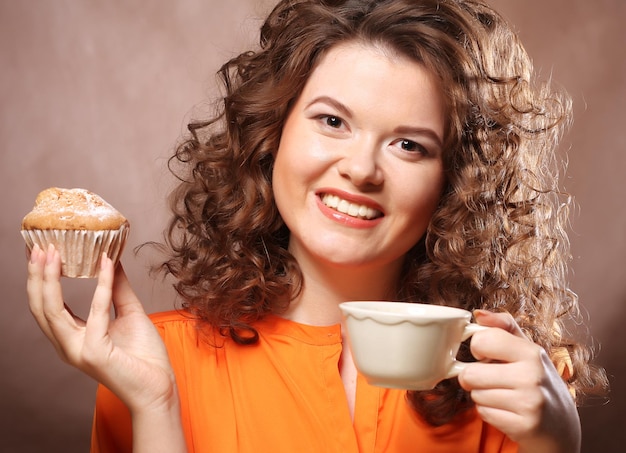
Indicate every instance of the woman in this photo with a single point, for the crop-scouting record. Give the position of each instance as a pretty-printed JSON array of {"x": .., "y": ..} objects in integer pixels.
[{"x": 392, "y": 149}]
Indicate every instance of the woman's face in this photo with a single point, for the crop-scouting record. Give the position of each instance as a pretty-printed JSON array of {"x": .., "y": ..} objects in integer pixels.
[{"x": 358, "y": 172}]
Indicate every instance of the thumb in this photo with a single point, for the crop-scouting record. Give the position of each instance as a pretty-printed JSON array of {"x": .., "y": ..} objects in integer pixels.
[
  {"x": 124, "y": 298},
  {"x": 503, "y": 320},
  {"x": 97, "y": 325}
]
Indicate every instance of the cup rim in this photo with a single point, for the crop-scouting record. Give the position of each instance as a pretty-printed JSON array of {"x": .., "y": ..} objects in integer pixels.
[{"x": 380, "y": 310}]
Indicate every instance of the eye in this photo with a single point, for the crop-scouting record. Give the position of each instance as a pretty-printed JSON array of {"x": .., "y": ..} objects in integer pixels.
[
  {"x": 411, "y": 146},
  {"x": 408, "y": 145},
  {"x": 330, "y": 125},
  {"x": 333, "y": 121}
]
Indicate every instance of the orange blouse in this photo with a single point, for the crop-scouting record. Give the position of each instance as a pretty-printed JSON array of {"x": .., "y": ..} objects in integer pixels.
[{"x": 285, "y": 394}]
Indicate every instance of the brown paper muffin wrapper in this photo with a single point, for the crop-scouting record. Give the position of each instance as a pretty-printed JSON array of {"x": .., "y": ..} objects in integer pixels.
[{"x": 80, "y": 250}]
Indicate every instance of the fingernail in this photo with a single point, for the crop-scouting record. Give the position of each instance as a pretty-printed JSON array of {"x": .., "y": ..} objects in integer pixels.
[
  {"x": 479, "y": 312},
  {"x": 103, "y": 261},
  {"x": 34, "y": 253},
  {"x": 50, "y": 254}
]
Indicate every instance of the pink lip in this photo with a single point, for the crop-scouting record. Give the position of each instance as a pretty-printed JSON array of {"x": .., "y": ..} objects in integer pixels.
[{"x": 345, "y": 219}]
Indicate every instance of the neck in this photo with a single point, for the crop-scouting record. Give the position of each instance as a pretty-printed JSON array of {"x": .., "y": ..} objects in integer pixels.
[{"x": 325, "y": 287}]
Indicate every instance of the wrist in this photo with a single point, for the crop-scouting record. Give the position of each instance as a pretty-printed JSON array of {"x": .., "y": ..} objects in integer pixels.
[
  {"x": 158, "y": 427},
  {"x": 548, "y": 446},
  {"x": 562, "y": 439}
]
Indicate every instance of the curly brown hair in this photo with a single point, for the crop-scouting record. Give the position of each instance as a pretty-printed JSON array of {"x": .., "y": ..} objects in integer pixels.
[{"x": 497, "y": 240}]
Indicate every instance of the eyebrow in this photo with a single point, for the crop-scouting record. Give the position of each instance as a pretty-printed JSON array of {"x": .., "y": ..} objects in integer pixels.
[
  {"x": 333, "y": 103},
  {"x": 409, "y": 130}
]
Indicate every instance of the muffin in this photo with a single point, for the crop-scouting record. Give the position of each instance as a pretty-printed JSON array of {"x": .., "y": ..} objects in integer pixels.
[{"x": 80, "y": 225}]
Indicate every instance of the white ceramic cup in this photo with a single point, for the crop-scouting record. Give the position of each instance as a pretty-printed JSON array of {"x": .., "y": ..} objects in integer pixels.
[{"x": 406, "y": 345}]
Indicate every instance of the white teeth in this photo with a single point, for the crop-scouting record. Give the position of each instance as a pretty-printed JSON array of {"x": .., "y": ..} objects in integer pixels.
[
  {"x": 330, "y": 201},
  {"x": 352, "y": 209}
]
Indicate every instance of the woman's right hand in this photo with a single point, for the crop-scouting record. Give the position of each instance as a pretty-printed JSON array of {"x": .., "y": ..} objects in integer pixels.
[{"x": 126, "y": 354}]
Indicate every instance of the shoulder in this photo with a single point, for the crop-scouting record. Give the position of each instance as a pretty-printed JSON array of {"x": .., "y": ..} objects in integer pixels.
[
  {"x": 172, "y": 318},
  {"x": 181, "y": 329},
  {"x": 176, "y": 325}
]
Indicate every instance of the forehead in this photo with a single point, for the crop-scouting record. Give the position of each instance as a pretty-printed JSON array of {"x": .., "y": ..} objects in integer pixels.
[
  {"x": 375, "y": 79},
  {"x": 354, "y": 63}
]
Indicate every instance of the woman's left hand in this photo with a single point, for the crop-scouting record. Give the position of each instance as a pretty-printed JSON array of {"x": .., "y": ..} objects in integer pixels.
[{"x": 517, "y": 389}]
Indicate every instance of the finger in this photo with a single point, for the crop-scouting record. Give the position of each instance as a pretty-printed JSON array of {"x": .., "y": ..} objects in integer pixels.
[
  {"x": 99, "y": 314},
  {"x": 124, "y": 298},
  {"x": 34, "y": 288},
  {"x": 501, "y": 320},
  {"x": 500, "y": 345},
  {"x": 476, "y": 376},
  {"x": 525, "y": 404},
  {"x": 506, "y": 421},
  {"x": 34, "y": 285},
  {"x": 34, "y": 281},
  {"x": 62, "y": 326},
  {"x": 503, "y": 399},
  {"x": 53, "y": 305}
]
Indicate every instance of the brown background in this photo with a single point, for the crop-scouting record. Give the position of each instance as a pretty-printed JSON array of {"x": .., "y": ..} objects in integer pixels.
[{"x": 95, "y": 94}]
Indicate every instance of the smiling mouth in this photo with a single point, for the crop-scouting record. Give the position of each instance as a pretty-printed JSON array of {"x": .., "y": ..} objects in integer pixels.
[{"x": 358, "y": 211}]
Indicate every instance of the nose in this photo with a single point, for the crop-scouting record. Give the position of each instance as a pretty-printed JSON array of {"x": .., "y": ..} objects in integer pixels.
[{"x": 361, "y": 164}]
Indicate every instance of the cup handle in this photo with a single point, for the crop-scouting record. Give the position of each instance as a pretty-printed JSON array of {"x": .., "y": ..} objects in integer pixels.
[{"x": 457, "y": 366}]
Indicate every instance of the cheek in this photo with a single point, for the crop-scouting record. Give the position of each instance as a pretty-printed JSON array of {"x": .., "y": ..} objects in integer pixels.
[
  {"x": 299, "y": 162},
  {"x": 289, "y": 178},
  {"x": 286, "y": 172},
  {"x": 279, "y": 180},
  {"x": 421, "y": 200}
]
